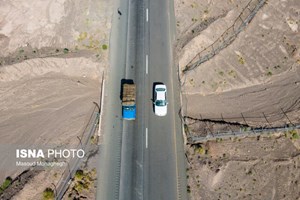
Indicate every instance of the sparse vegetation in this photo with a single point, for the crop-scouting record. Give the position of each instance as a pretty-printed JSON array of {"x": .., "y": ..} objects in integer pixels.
[
  {"x": 66, "y": 50},
  {"x": 199, "y": 149},
  {"x": 48, "y": 194},
  {"x": 277, "y": 67},
  {"x": 94, "y": 139},
  {"x": 83, "y": 180},
  {"x": 81, "y": 185},
  {"x": 5, "y": 184},
  {"x": 269, "y": 73},
  {"x": 82, "y": 36},
  {"x": 186, "y": 129},
  {"x": 214, "y": 86},
  {"x": 104, "y": 47},
  {"x": 47, "y": 52},
  {"x": 193, "y": 5},
  {"x": 192, "y": 82},
  {"x": 79, "y": 174},
  {"x": 237, "y": 82},
  {"x": 234, "y": 171},
  {"x": 293, "y": 134},
  {"x": 232, "y": 73},
  {"x": 241, "y": 60},
  {"x": 188, "y": 189}
]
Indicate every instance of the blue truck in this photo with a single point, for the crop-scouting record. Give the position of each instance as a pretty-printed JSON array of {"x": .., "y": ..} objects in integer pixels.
[{"x": 128, "y": 101}]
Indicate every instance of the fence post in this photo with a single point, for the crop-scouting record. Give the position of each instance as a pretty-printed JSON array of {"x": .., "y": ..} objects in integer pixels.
[
  {"x": 287, "y": 117},
  {"x": 267, "y": 119},
  {"x": 249, "y": 17}
]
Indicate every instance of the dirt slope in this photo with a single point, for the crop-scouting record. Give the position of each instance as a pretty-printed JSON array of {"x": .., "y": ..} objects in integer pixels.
[
  {"x": 53, "y": 54},
  {"x": 259, "y": 72},
  {"x": 254, "y": 81}
]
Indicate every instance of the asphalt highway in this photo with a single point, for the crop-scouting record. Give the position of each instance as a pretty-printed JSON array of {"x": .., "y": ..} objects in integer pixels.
[{"x": 142, "y": 159}]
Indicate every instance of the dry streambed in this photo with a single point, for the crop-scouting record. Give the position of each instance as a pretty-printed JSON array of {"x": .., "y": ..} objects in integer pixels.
[{"x": 44, "y": 106}]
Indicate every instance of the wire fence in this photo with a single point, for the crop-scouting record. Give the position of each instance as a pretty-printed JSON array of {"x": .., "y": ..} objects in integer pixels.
[
  {"x": 224, "y": 128},
  {"x": 74, "y": 163},
  {"x": 275, "y": 118},
  {"x": 241, "y": 133},
  {"x": 228, "y": 36}
]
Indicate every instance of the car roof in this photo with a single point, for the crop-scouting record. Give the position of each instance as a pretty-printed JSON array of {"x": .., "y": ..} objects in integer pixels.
[{"x": 161, "y": 95}]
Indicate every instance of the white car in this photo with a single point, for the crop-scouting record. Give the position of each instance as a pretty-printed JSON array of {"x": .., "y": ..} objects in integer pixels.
[{"x": 160, "y": 100}]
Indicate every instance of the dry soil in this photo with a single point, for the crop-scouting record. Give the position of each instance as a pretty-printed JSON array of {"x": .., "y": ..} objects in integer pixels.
[
  {"x": 255, "y": 82},
  {"x": 53, "y": 54},
  {"x": 264, "y": 168},
  {"x": 257, "y": 75}
]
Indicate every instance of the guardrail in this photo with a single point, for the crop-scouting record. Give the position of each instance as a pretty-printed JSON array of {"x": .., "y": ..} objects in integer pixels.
[
  {"x": 228, "y": 36},
  {"x": 73, "y": 165}
]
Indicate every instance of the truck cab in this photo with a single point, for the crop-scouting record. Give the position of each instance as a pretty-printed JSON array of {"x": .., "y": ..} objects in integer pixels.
[{"x": 129, "y": 112}]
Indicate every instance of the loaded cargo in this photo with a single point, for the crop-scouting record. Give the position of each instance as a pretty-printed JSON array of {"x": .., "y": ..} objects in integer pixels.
[{"x": 128, "y": 101}]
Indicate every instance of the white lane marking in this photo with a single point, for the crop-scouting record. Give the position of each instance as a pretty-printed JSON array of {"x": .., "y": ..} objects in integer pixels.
[
  {"x": 146, "y": 138},
  {"x": 147, "y": 15},
  {"x": 146, "y": 64}
]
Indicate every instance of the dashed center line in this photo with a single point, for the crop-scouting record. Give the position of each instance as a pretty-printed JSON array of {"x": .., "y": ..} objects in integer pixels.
[
  {"x": 146, "y": 64},
  {"x": 147, "y": 15},
  {"x": 146, "y": 138}
]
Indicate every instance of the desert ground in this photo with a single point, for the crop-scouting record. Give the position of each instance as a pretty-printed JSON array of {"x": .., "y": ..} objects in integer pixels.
[
  {"x": 253, "y": 82},
  {"x": 257, "y": 74},
  {"x": 249, "y": 168},
  {"x": 53, "y": 55}
]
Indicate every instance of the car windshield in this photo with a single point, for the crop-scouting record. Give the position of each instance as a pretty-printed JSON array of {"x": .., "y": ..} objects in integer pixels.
[
  {"x": 160, "y": 103},
  {"x": 160, "y": 89},
  {"x": 128, "y": 107}
]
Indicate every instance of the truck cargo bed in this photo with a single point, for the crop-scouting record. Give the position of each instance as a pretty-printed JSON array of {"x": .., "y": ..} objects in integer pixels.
[
  {"x": 128, "y": 97},
  {"x": 128, "y": 101}
]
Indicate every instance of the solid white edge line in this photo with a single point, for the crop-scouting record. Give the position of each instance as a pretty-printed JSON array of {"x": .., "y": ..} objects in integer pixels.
[
  {"x": 146, "y": 64},
  {"x": 101, "y": 104},
  {"x": 146, "y": 138},
  {"x": 147, "y": 15}
]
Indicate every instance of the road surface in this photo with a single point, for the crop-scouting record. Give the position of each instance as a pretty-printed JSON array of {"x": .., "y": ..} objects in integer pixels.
[{"x": 142, "y": 159}]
